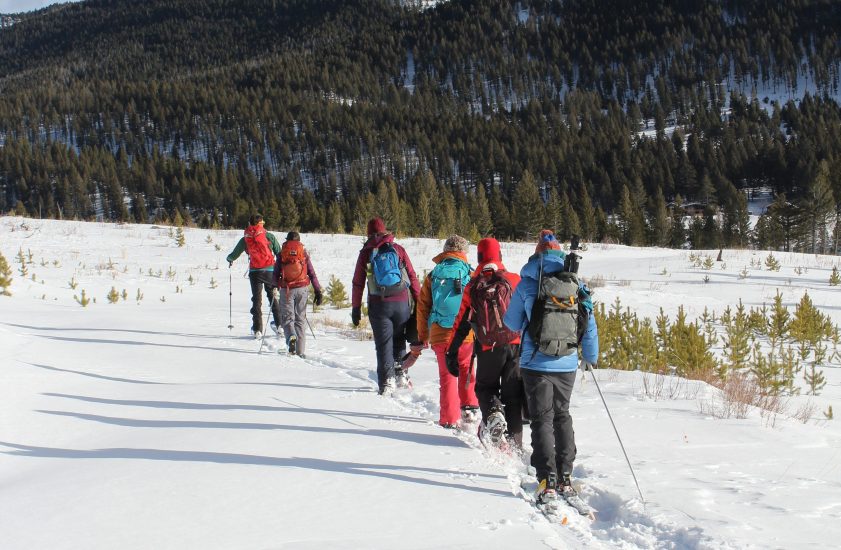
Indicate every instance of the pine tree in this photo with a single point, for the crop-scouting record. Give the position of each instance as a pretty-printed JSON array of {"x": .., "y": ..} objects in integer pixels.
[
  {"x": 336, "y": 293},
  {"x": 834, "y": 277},
  {"x": 5, "y": 276},
  {"x": 526, "y": 202},
  {"x": 480, "y": 211},
  {"x": 809, "y": 325},
  {"x": 815, "y": 378},
  {"x": 289, "y": 215},
  {"x": 660, "y": 220},
  {"x": 180, "y": 239},
  {"x": 587, "y": 214},
  {"x": 553, "y": 217},
  {"x": 113, "y": 296},
  {"x": 766, "y": 370},
  {"x": 817, "y": 211},
  {"x": 737, "y": 347},
  {"x": 687, "y": 350}
]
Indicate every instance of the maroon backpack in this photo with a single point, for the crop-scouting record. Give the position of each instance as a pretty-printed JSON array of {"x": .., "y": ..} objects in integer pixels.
[{"x": 489, "y": 299}]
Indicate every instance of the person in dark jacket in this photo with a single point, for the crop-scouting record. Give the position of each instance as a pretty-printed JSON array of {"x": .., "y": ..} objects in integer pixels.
[
  {"x": 548, "y": 380},
  {"x": 499, "y": 386},
  {"x": 293, "y": 274},
  {"x": 388, "y": 308},
  {"x": 261, "y": 247}
]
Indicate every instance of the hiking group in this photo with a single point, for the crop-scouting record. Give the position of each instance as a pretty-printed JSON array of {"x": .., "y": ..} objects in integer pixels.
[
  {"x": 523, "y": 332},
  {"x": 285, "y": 273}
]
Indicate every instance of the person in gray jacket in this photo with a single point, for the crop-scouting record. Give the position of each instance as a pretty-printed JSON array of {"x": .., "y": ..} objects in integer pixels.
[{"x": 293, "y": 274}]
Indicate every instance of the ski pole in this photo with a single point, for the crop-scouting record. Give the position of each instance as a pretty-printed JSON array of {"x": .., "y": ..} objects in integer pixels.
[
  {"x": 469, "y": 372},
  {"x": 266, "y": 325},
  {"x": 311, "y": 330},
  {"x": 589, "y": 367},
  {"x": 230, "y": 298}
]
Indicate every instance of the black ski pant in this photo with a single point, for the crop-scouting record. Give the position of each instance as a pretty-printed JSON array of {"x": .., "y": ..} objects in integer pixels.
[
  {"x": 388, "y": 320},
  {"x": 262, "y": 280},
  {"x": 552, "y": 436},
  {"x": 498, "y": 382}
]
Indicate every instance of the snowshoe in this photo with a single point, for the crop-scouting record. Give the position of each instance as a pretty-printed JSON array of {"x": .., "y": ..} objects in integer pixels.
[
  {"x": 401, "y": 378},
  {"x": 496, "y": 426},
  {"x": 570, "y": 495},
  {"x": 470, "y": 415},
  {"x": 387, "y": 389}
]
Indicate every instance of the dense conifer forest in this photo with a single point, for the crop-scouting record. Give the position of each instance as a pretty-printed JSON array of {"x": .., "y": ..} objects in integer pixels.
[{"x": 608, "y": 119}]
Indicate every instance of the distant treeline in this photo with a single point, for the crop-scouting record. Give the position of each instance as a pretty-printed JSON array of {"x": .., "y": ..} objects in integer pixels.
[{"x": 474, "y": 116}]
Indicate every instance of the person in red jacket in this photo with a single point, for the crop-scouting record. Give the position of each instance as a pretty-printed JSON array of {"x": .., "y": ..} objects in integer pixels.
[
  {"x": 499, "y": 385},
  {"x": 384, "y": 267}
]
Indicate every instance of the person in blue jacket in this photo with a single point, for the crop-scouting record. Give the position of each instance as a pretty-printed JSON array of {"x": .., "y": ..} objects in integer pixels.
[{"x": 548, "y": 380}]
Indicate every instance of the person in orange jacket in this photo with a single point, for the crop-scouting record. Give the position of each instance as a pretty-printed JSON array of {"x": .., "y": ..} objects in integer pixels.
[
  {"x": 438, "y": 303},
  {"x": 499, "y": 384}
]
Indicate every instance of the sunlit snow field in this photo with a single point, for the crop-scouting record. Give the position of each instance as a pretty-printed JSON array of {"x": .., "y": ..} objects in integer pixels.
[{"x": 150, "y": 424}]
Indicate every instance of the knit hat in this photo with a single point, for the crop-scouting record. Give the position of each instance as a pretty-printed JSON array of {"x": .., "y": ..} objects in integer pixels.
[
  {"x": 546, "y": 241},
  {"x": 488, "y": 250},
  {"x": 293, "y": 236},
  {"x": 376, "y": 225},
  {"x": 454, "y": 243}
]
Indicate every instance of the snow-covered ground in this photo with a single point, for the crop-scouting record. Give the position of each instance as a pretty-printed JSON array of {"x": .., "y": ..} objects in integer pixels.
[{"x": 150, "y": 424}]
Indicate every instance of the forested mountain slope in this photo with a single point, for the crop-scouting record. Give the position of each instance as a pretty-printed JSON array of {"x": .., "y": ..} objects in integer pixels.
[{"x": 468, "y": 116}]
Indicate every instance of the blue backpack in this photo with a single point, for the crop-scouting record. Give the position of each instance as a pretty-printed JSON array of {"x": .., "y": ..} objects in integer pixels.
[
  {"x": 447, "y": 279},
  {"x": 387, "y": 271}
]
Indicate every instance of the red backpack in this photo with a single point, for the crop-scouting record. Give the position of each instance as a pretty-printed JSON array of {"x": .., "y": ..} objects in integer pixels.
[
  {"x": 257, "y": 246},
  {"x": 293, "y": 265},
  {"x": 489, "y": 299}
]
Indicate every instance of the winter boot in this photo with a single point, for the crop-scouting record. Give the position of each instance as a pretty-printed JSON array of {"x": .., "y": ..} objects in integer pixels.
[
  {"x": 546, "y": 490},
  {"x": 388, "y": 387},
  {"x": 565, "y": 486},
  {"x": 469, "y": 414},
  {"x": 293, "y": 344},
  {"x": 401, "y": 378},
  {"x": 274, "y": 328},
  {"x": 258, "y": 335}
]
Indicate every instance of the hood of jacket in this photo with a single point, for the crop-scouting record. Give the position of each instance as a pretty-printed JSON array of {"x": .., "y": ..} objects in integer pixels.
[
  {"x": 553, "y": 261},
  {"x": 444, "y": 255},
  {"x": 376, "y": 241}
]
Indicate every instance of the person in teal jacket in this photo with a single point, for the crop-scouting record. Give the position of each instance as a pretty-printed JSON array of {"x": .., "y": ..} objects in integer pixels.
[
  {"x": 548, "y": 380},
  {"x": 262, "y": 247}
]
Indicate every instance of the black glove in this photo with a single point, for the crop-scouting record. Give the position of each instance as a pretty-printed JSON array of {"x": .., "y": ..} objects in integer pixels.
[
  {"x": 316, "y": 299},
  {"x": 356, "y": 315},
  {"x": 451, "y": 360}
]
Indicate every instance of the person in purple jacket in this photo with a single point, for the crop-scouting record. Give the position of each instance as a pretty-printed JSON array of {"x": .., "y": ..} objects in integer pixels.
[
  {"x": 293, "y": 274},
  {"x": 385, "y": 269}
]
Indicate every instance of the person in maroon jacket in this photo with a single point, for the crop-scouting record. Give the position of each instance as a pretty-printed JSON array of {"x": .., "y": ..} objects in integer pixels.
[
  {"x": 385, "y": 268},
  {"x": 499, "y": 384},
  {"x": 293, "y": 274}
]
